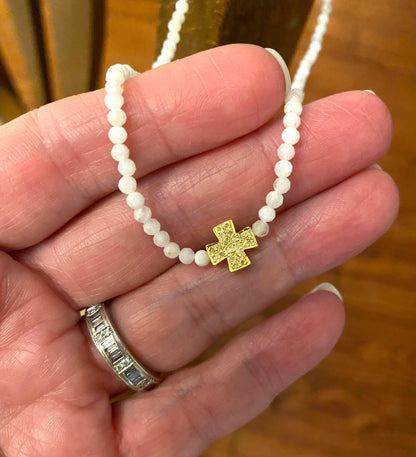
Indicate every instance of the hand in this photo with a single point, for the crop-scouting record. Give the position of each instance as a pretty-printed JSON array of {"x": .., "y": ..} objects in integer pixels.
[{"x": 203, "y": 134}]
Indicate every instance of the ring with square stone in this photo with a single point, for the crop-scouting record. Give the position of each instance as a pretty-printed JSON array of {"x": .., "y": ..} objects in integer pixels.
[{"x": 115, "y": 353}]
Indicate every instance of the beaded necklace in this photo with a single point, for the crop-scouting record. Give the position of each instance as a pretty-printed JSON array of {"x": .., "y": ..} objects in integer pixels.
[{"x": 230, "y": 244}]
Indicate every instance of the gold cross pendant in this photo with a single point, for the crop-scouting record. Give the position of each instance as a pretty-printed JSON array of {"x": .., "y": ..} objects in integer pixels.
[{"x": 231, "y": 246}]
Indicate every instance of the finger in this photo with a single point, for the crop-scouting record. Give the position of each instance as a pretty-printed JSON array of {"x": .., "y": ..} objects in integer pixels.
[
  {"x": 58, "y": 157},
  {"x": 46, "y": 376},
  {"x": 198, "y": 405},
  {"x": 105, "y": 253},
  {"x": 308, "y": 239}
]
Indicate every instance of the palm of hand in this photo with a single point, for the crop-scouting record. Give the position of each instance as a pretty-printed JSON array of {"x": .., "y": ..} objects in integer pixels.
[{"x": 203, "y": 136}]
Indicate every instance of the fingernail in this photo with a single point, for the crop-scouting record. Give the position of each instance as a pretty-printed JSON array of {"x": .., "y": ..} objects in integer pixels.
[
  {"x": 283, "y": 65},
  {"x": 375, "y": 166},
  {"x": 370, "y": 91},
  {"x": 327, "y": 286}
]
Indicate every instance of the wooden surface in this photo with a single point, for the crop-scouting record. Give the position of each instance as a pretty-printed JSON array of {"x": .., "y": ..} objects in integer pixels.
[
  {"x": 68, "y": 36},
  {"x": 130, "y": 34},
  {"x": 19, "y": 51},
  {"x": 212, "y": 23}
]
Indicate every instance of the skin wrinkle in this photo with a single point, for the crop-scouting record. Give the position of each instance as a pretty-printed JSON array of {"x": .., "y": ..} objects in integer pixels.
[
  {"x": 201, "y": 312},
  {"x": 197, "y": 413},
  {"x": 155, "y": 120},
  {"x": 76, "y": 167}
]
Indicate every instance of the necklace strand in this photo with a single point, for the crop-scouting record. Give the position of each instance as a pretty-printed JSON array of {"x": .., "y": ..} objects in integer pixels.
[{"x": 230, "y": 245}]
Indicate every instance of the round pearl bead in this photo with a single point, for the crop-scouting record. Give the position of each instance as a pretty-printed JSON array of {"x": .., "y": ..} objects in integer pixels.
[
  {"x": 202, "y": 258},
  {"x": 168, "y": 53},
  {"x": 260, "y": 228},
  {"x": 143, "y": 214},
  {"x": 186, "y": 256},
  {"x": 293, "y": 106},
  {"x": 182, "y": 6},
  {"x": 119, "y": 152},
  {"x": 151, "y": 227},
  {"x": 267, "y": 214},
  {"x": 274, "y": 199},
  {"x": 113, "y": 87},
  {"x": 126, "y": 167},
  {"x": 128, "y": 72},
  {"x": 178, "y": 17},
  {"x": 135, "y": 200},
  {"x": 161, "y": 239},
  {"x": 113, "y": 101},
  {"x": 289, "y": 135},
  {"x": 127, "y": 184},
  {"x": 283, "y": 168},
  {"x": 115, "y": 73},
  {"x": 281, "y": 185},
  {"x": 173, "y": 37},
  {"x": 291, "y": 120},
  {"x": 171, "y": 250},
  {"x": 286, "y": 151},
  {"x": 117, "y": 135},
  {"x": 116, "y": 117}
]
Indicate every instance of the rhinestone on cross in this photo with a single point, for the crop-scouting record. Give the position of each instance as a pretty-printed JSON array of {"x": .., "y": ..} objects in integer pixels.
[{"x": 231, "y": 246}]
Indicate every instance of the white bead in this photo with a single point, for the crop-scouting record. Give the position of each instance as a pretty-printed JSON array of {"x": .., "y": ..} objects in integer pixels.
[
  {"x": 161, "y": 239},
  {"x": 202, "y": 258},
  {"x": 119, "y": 152},
  {"x": 174, "y": 37},
  {"x": 113, "y": 101},
  {"x": 173, "y": 26},
  {"x": 182, "y": 6},
  {"x": 293, "y": 106},
  {"x": 167, "y": 53},
  {"x": 323, "y": 19},
  {"x": 113, "y": 87},
  {"x": 171, "y": 250},
  {"x": 186, "y": 256},
  {"x": 135, "y": 200},
  {"x": 127, "y": 184},
  {"x": 285, "y": 151},
  {"x": 291, "y": 120},
  {"x": 151, "y": 227},
  {"x": 260, "y": 228},
  {"x": 168, "y": 47},
  {"x": 117, "y": 135},
  {"x": 283, "y": 168},
  {"x": 115, "y": 73},
  {"x": 178, "y": 17},
  {"x": 116, "y": 117},
  {"x": 267, "y": 214},
  {"x": 316, "y": 46},
  {"x": 126, "y": 167},
  {"x": 143, "y": 214},
  {"x": 274, "y": 199},
  {"x": 281, "y": 185},
  {"x": 128, "y": 72},
  {"x": 320, "y": 29},
  {"x": 289, "y": 135},
  {"x": 160, "y": 61}
]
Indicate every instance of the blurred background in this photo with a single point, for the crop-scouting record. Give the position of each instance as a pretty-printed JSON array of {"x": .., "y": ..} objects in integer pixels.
[{"x": 361, "y": 400}]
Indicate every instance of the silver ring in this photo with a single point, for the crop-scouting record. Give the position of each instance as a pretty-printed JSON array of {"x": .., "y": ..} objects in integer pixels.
[{"x": 115, "y": 353}]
